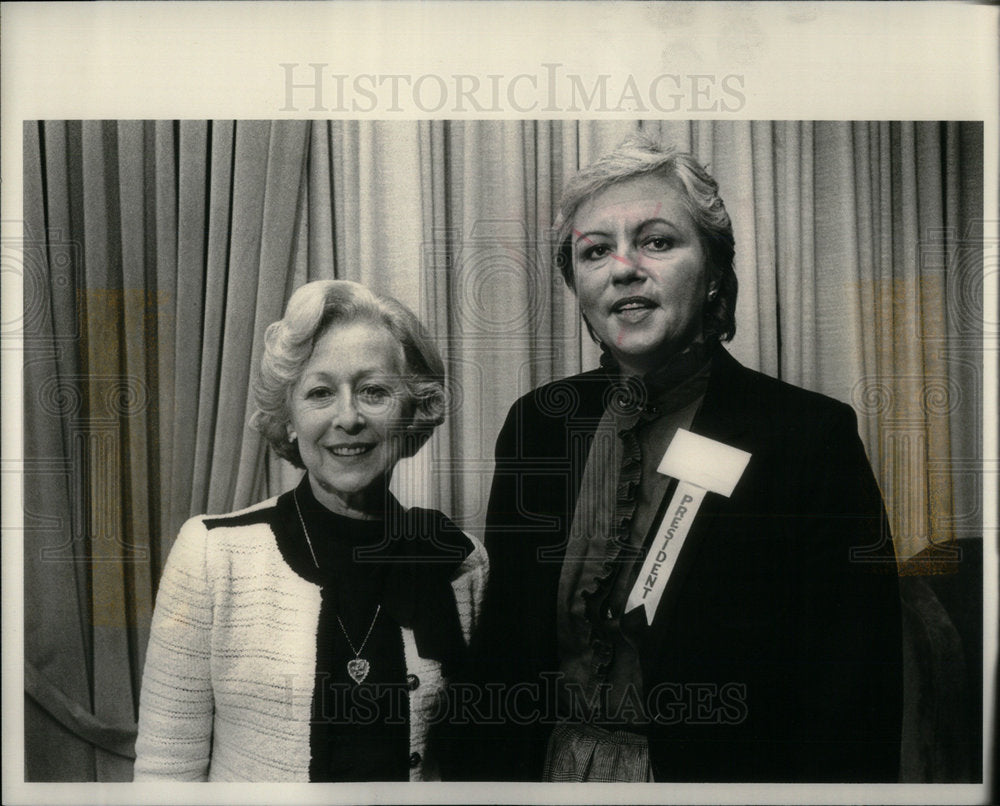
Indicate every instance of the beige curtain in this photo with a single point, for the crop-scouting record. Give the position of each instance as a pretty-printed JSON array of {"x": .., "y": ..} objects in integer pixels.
[{"x": 157, "y": 252}]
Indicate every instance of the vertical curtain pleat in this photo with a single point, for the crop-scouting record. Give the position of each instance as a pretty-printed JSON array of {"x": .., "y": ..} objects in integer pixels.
[
  {"x": 216, "y": 265},
  {"x": 762, "y": 266},
  {"x": 163, "y": 249},
  {"x": 859, "y": 195},
  {"x": 741, "y": 163},
  {"x": 493, "y": 283},
  {"x": 904, "y": 425},
  {"x": 107, "y": 391},
  {"x": 445, "y": 481},
  {"x": 287, "y": 149},
  {"x": 189, "y": 311},
  {"x": 959, "y": 254},
  {"x": 932, "y": 341},
  {"x": 796, "y": 254},
  {"x": 162, "y": 174},
  {"x": 565, "y": 329},
  {"x": 317, "y": 260},
  {"x": 842, "y": 272},
  {"x": 58, "y": 640},
  {"x": 136, "y": 409},
  {"x": 250, "y": 168}
]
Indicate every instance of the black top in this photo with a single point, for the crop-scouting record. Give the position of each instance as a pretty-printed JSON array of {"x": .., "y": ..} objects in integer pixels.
[
  {"x": 360, "y": 730},
  {"x": 402, "y": 565}
]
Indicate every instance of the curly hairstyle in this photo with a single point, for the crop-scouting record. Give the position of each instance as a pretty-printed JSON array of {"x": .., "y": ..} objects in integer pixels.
[
  {"x": 639, "y": 156},
  {"x": 288, "y": 344}
]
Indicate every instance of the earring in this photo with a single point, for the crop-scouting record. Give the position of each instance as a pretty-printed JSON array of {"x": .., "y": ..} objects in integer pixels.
[
  {"x": 712, "y": 291},
  {"x": 292, "y": 436}
]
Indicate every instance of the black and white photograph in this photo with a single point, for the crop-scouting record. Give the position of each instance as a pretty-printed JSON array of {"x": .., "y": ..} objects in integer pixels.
[{"x": 487, "y": 435}]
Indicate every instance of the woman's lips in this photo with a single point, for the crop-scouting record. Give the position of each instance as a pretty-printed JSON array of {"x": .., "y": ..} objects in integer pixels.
[
  {"x": 632, "y": 309},
  {"x": 347, "y": 451}
]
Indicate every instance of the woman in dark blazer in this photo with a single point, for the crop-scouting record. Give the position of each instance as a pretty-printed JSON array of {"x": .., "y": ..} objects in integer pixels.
[{"x": 773, "y": 653}]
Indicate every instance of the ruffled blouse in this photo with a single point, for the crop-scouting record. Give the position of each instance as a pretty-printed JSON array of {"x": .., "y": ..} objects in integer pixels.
[{"x": 613, "y": 521}]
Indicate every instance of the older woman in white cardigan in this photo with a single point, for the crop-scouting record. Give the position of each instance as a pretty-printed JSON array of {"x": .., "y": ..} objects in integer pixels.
[{"x": 309, "y": 637}]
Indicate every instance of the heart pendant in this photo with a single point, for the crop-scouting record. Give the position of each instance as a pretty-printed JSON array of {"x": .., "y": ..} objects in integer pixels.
[{"x": 358, "y": 669}]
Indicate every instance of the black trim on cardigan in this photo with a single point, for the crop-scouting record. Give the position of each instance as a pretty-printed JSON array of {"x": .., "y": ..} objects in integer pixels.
[{"x": 422, "y": 551}]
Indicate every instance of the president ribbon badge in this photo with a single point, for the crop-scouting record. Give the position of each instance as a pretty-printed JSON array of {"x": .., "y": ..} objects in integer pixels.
[{"x": 700, "y": 465}]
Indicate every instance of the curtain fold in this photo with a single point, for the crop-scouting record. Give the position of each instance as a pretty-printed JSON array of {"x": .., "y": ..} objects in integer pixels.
[
  {"x": 215, "y": 271},
  {"x": 184, "y": 269},
  {"x": 156, "y": 252},
  {"x": 58, "y": 641}
]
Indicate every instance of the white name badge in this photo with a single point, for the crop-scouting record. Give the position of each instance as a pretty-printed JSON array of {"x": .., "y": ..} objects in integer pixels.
[{"x": 700, "y": 465}]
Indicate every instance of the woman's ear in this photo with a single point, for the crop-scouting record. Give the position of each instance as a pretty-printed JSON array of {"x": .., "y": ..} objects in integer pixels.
[{"x": 412, "y": 440}]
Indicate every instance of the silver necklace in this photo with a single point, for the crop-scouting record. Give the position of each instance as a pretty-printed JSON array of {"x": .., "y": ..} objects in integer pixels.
[{"x": 358, "y": 668}]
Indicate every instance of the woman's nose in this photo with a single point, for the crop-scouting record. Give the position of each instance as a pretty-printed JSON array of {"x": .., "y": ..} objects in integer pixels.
[
  {"x": 346, "y": 415},
  {"x": 625, "y": 265}
]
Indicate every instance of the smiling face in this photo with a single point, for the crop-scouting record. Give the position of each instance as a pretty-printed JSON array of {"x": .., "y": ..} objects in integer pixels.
[
  {"x": 641, "y": 271},
  {"x": 347, "y": 410}
]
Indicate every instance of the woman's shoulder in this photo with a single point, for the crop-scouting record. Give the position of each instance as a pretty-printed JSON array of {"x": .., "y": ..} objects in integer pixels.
[
  {"x": 784, "y": 399},
  {"x": 439, "y": 534},
  {"x": 199, "y": 530},
  {"x": 261, "y": 512},
  {"x": 595, "y": 380},
  {"x": 581, "y": 395},
  {"x": 771, "y": 411}
]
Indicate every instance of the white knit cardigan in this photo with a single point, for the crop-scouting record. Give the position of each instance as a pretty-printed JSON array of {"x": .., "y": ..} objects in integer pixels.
[{"x": 230, "y": 669}]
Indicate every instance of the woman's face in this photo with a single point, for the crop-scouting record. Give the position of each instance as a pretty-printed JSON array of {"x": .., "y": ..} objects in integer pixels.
[
  {"x": 641, "y": 271},
  {"x": 347, "y": 409}
]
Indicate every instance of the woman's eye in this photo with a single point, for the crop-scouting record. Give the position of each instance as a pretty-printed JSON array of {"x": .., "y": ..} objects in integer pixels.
[
  {"x": 373, "y": 395},
  {"x": 319, "y": 393},
  {"x": 659, "y": 243},
  {"x": 596, "y": 251}
]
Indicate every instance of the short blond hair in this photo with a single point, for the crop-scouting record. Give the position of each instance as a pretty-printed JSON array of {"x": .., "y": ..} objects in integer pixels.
[
  {"x": 640, "y": 156},
  {"x": 288, "y": 344}
]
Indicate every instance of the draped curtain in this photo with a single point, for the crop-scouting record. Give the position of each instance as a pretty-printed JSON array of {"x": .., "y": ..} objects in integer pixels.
[{"x": 157, "y": 252}]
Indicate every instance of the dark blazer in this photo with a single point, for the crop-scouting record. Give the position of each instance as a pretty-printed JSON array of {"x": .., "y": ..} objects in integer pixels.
[{"x": 775, "y": 654}]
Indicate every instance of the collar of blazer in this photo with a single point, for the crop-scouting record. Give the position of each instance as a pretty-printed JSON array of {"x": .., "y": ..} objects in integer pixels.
[{"x": 719, "y": 418}]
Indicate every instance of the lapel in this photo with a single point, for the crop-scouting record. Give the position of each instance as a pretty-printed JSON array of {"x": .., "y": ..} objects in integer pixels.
[
  {"x": 569, "y": 438},
  {"x": 722, "y": 418}
]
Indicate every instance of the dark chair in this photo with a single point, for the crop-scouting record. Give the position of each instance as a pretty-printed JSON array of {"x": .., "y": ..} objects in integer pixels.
[{"x": 942, "y": 656}]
